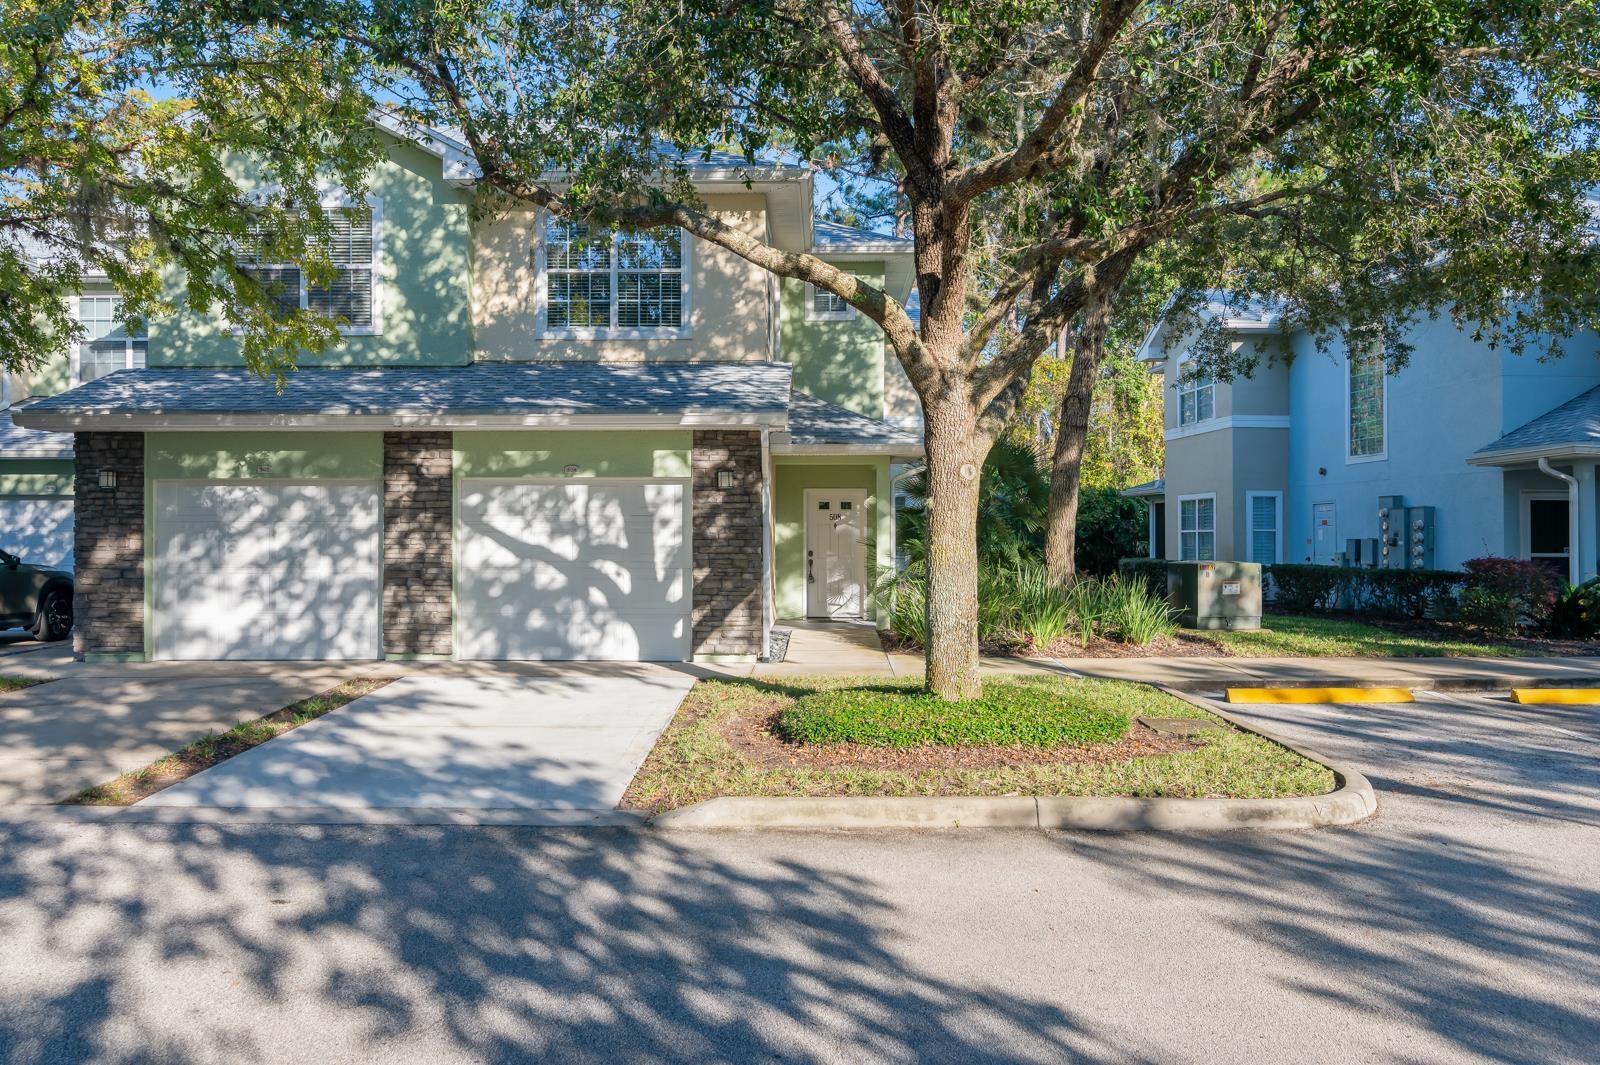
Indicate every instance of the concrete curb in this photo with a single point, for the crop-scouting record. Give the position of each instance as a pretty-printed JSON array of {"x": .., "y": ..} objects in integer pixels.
[
  {"x": 1351, "y": 801},
  {"x": 297, "y": 815}
]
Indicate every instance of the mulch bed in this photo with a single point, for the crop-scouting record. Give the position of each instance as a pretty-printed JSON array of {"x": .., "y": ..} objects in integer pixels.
[{"x": 752, "y": 734}]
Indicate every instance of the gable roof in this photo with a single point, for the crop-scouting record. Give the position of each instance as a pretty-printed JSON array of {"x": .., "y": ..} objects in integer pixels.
[
  {"x": 1570, "y": 430},
  {"x": 1256, "y": 316},
  {"x": 505, "y": 394}
]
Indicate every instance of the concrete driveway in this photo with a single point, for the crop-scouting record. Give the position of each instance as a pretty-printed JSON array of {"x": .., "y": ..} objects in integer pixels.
[
  {"x": 459, "y": 737},
  {"x": 89, "y": 722}
]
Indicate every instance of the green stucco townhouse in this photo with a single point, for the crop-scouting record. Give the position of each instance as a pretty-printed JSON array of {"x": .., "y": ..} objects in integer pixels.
[{"x": 534, "y": 442}]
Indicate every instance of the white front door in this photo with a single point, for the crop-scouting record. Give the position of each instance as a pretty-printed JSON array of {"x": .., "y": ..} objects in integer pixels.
[
  {"x": 1324, "y": 534},
  {"x": 267, "y": 570},
  {"x": 836, "y": 557},
  {"x": 594, "y": 570}
]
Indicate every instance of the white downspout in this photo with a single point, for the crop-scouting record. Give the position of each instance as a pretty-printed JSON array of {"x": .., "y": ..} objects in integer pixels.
[
  {"x": 1574, "y": 542},
  {"x": 767, "y": 576}
]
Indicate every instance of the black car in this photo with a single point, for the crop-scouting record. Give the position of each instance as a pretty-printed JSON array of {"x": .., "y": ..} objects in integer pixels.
[{"x": 35, "y": 598}]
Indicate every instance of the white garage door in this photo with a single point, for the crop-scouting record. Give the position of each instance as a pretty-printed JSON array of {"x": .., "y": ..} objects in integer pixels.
[
  {"x": 37, "y": 530},
  {"x": 573, "y": 571},
  {"x": 267, "y": 570}
]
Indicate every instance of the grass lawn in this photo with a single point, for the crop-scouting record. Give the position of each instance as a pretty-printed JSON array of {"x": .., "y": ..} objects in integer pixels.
[
  {"x": 216, "y": 747},
  {"x": 727, "y": 739},
  {"x": 14, "y": 684},
  {"x": 1310, "y": 637}
]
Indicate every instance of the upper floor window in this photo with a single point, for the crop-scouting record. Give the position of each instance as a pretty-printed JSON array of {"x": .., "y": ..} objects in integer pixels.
[
  {"x": 825, "y": 306},
  {"x": 598, "y": 282},
  {"x": 351, "y": 297},
  {"x": 109, "y": 343},
  {"x": 1367, "y": 400},
  {"x": 1197, "y": 397},
  {"x": 5, "y": 389}
]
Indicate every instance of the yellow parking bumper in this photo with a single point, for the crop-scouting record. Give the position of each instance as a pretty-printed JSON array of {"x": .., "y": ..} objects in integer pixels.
[
  {"x": 1557, "y": 696},
  {"x": 1320, "y": 695}
]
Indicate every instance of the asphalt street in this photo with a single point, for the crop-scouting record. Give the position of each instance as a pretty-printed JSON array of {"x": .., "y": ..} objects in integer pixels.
[{"x": 1462, "y": 925}]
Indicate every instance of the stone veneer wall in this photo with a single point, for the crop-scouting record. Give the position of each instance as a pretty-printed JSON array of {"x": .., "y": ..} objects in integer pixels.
[
  {"x": 418, "y": 547},
  {"x": 108, "y": 545},
  {"x": 727, "y": 544}
]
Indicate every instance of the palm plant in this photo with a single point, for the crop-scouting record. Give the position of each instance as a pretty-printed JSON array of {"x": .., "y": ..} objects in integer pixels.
[{"x": 1013, "y": 502}]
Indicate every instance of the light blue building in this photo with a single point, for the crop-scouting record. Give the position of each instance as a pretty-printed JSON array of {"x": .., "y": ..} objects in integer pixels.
[{"x": 1324, "y": 458}]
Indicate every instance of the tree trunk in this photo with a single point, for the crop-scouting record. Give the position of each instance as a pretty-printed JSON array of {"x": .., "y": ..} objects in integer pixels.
[
  {"x": 1072, "y": 432},
  {"x": 955, "y": 457}
]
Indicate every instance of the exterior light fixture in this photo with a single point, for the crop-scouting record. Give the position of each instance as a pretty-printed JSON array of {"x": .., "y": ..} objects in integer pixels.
[
  {"x": 724, "y": 478},
  {"x": 108, "y": 478},
  {"x": 570, "y": 470}
]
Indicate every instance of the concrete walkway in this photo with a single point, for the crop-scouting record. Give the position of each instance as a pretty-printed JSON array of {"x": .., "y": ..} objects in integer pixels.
[
  {"x": 459, "y": 737},
  {"x": 91, "y": 722}
]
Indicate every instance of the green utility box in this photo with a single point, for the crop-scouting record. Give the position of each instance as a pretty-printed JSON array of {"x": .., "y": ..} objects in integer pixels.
[{"x": 1215, "y": 595}]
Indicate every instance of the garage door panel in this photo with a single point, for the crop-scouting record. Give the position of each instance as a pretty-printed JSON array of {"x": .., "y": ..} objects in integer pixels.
[
  {"x": 572, "y": 571},
  {"x": 38, "y": 530},
  {"x": 267, "y": 571}
]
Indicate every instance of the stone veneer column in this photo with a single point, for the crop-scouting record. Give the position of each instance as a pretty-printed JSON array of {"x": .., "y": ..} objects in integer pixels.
[
  {"x": 108, "y": 545},
  {"x": 418, "y": 543},
  {"x": 727, "y": 544}
]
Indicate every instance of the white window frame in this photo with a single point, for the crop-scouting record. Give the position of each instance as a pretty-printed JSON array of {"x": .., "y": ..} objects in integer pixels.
[
  {"x": 5, "y": 389},
  {"x": 1193, "y": 387},
  {"x": 1349, "y": 442},
  {"x": 1197, "y": 530},
  {"x": 336, "y": 201},
  {"x": 76, "y": 360},
  {"x": 541, "y": 295},
  {"x": 1525, "y": 518},
  {"x": 1250, "y": 526},
  {"x": 814, "y": 315}
]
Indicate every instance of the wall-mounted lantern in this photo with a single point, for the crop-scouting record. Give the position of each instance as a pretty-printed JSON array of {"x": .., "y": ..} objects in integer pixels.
[
  {"x": 108, "y": 478},
  {"x": 724, "y": 478}
]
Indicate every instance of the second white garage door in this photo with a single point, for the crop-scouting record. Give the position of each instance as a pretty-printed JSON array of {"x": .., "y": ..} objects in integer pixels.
[
  {"x": 38, "y": 529},
  {"x": 267, "y": 570},
  {"x": 593, "y": 570}
]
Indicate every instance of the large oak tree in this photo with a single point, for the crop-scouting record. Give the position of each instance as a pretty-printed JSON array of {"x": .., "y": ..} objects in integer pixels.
[{"x": 1036, "y": 149}]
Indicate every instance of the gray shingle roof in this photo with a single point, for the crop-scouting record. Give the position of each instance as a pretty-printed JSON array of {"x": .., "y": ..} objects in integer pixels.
[
  {"x": 1575, "y": 423},
  {"x": 19, "y": 443},
  {"x": 1148, "y": 488},
  {"x": 485, "y": 389},
  {"x": 832, "y": 235},
  {"x": 813, "y": 422}
]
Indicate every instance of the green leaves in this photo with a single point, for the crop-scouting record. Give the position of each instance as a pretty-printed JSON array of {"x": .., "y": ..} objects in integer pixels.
[{"x": 132, "y": 141}]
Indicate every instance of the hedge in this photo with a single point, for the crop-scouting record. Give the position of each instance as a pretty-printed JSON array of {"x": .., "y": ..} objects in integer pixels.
[{"x": 1305, "y": 589}]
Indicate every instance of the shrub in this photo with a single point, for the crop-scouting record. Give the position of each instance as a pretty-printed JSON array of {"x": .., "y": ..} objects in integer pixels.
[
  {"x": 1135, "y": 615},
  {"x": 1007, "y": 714},
  {"x": 1575, "y": 612},
  {"x": 1494, "y": 612},
  {"x": 1110, "y": 527},
  {"x": 1152, "y": 571},
  {"x": 1530, "y": 584},
  {"x": 1303, "y": 589},
  {"x": 1043, "y": 614}
]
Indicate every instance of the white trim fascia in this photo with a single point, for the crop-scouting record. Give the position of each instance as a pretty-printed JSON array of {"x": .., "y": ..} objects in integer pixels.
[
  {"x": 36, "y": 453},
  {"x": 1523, "y": 455},
  {"x": 1233, "y": 421},
  {"x": 863, "y": 250},
  {"x": 1249, "y": 522},
  {"x": 108, "y": 422},
  {"x": 910, "y": 451}
]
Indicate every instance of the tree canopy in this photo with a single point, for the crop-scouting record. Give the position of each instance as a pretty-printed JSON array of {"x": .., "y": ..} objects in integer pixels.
[{"x": 135, "y": 141}]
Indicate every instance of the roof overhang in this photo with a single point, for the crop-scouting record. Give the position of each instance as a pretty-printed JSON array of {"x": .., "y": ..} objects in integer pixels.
[
  {"x": 1148, "y": 490},
  {"x": 907, "y": 450},
  {"x": 1527, "y": 456},
  {"x": 113, "y": 421}
]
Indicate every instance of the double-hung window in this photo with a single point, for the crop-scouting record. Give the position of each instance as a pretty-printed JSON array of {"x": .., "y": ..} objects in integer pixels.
[
  {"x": 1196, "y": 397},
  {"x": 825, "y": 306},
  {"x": 109, "y": 343},
  {"x": 1367, "y": 402},
  {"x": 350, "y": 297},
  {"x": 1265, "y": 512},
  {"x": 1197, "y": 528},
  {"x": 599, "y": 282}
]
